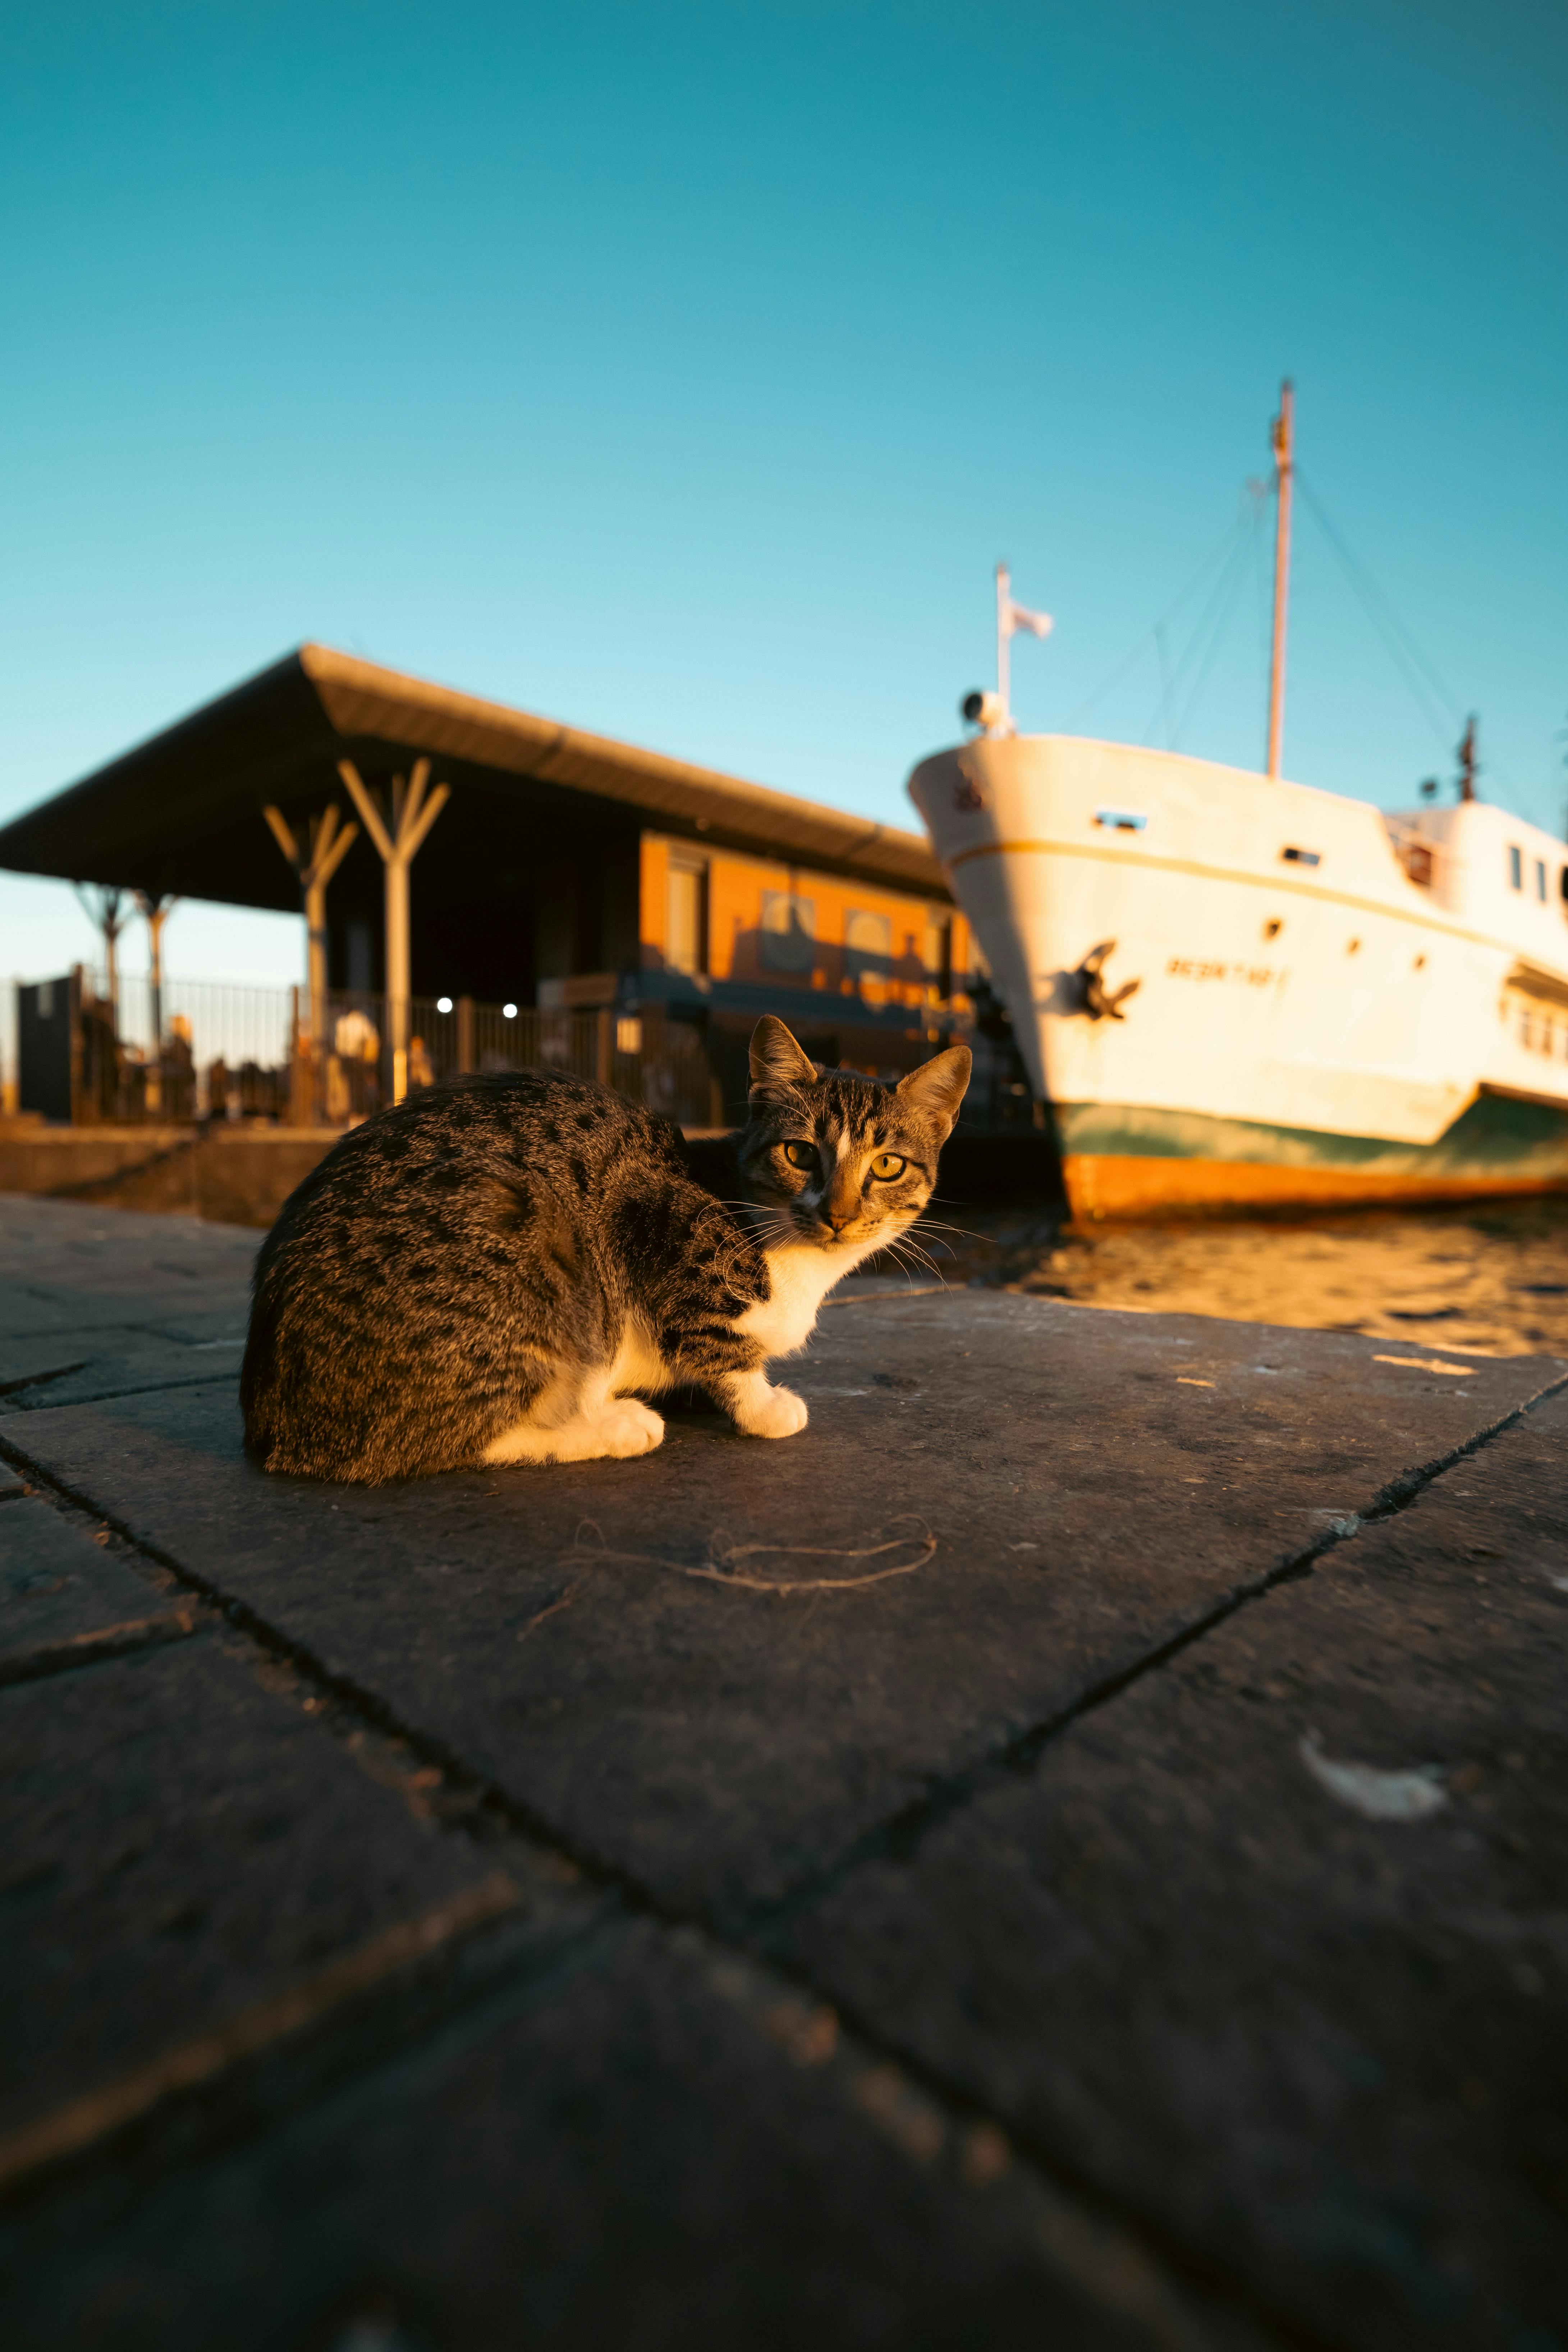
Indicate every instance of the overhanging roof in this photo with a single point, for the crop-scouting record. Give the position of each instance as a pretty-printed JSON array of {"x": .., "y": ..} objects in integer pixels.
[{"x": 142, "y": 821}]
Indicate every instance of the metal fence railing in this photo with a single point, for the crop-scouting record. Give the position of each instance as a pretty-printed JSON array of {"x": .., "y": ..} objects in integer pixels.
[
  {"x": 197, "y": 1050},
  {"x": 350, "y": 1070}
]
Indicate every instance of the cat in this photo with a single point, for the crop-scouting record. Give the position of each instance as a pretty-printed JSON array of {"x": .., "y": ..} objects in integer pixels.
[{"x": 499, "y": 1269}]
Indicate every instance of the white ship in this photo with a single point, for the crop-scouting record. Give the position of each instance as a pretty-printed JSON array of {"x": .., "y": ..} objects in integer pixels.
[{"x": 1235, "y": 991}]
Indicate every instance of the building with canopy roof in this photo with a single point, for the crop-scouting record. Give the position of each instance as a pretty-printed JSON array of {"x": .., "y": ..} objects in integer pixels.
[{"x": 548, "y": 866}]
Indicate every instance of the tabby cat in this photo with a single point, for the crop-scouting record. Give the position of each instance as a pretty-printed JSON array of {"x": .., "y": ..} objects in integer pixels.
[{"x": 498, "y": 1270}]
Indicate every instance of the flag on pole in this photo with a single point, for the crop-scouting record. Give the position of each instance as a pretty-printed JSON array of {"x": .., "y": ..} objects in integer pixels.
[
  {"x": 1018, "y": 616},
  {"x": 1010, "y": 618}
]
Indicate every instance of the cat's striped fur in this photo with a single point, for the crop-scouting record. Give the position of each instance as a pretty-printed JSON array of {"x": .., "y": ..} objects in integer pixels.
[{"x": 500, "y": 1270}]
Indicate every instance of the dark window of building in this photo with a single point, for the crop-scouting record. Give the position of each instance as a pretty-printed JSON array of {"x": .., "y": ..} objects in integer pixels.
[{"x": 686, "y": 917}]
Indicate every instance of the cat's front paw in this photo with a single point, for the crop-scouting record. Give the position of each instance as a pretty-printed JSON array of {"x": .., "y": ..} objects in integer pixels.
[
  {"x": 775, "y": 1413},
  {"x": 630, "y": 1428}
]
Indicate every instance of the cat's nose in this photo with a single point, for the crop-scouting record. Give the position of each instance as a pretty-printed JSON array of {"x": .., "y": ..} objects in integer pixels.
[{"x": 840, "y": 1221}]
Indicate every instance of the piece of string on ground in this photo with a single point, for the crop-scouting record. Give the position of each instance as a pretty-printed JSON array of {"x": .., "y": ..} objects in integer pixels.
[
  {"x": 899, "y": 1549},
  {"x": 562, "y": 1601}
]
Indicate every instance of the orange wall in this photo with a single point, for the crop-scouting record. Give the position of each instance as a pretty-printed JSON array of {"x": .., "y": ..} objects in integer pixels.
[{"x": 735, "y": 888}]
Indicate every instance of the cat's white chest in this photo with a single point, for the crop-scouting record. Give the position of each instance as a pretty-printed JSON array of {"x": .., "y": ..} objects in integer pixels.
[{"x": 800, "y": 1279}]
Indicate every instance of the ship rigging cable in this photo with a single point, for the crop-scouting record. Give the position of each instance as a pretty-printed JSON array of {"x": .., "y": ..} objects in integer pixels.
[
  {"x": 1423, "y": 680},
  {"x": 1438, "y": 705},
  {"x": 1216, "y": 620},
  {"x": 1223, "y": 546}
]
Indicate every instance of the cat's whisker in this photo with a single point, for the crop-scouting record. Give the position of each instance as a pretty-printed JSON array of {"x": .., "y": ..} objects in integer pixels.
[
  {"x": 908, "y": 1239},
  {"x": 930, "y": 1267},
  {"x": 908, "y": 1272},
  {"x": 897, "y": 1247}
]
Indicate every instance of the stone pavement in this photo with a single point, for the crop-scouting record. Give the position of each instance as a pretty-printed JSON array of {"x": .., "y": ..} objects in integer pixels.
[{"x": 1075, "y": 1846}]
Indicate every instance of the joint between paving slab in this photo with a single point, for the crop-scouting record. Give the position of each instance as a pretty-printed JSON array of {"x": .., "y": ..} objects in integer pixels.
[
  {"x": 106, "y": 1396},
  {"x": 45, "y": 1658},
  {"x": 900, "y": 1839},
  {"x": 1196, "y": 2272},
  {"x": 498, "y": 1807},
  {"x": 40, "y": 1380},
  {"x": 1172, "y": 2256}
]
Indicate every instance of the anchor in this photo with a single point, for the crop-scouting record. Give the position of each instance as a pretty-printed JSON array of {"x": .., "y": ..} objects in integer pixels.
[{"x": 1098, "y": 1002}]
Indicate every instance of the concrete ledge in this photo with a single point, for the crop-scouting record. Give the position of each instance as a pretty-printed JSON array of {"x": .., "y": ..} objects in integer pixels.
[{"x": 236, "y": 1175}]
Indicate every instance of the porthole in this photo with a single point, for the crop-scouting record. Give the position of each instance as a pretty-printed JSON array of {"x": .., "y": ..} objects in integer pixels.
[
  {"x": 1353, "y": 948},
  {"x": 1272, "y": 927},
  {"x": 1419, "y": 964}
]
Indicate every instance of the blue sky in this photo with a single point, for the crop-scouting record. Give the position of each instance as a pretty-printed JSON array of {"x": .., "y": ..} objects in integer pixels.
[{"x": 682, "y": 372}]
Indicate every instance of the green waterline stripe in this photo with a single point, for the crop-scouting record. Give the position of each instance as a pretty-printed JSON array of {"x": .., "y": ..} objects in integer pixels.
[{"x": 1494, "y": 1134}]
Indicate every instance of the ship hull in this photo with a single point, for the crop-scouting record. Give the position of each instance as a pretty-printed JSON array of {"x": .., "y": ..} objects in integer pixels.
[
  {"x": 1236, "y": 992},
  {"x": 1123, "y": 1161}
]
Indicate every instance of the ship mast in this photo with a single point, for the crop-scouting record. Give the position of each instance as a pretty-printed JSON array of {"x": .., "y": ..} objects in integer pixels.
[{"x": 1283, "y": 434}]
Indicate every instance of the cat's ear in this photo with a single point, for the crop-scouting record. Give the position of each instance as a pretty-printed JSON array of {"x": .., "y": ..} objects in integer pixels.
[
  {"x": 778, "y": 1064},
  {"x": 937, "y": 1088}
]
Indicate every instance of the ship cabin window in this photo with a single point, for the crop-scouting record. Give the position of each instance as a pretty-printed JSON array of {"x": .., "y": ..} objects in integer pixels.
[
  {"x": 1541, "y": 879},
  {"x": 686, "y": 916},
  {"x": 1515, "y": 868},
  {"x": 1301, "y": 857},
  {"x": 1120, "y": 820},
  {"x": 1526, "y": 1030}
]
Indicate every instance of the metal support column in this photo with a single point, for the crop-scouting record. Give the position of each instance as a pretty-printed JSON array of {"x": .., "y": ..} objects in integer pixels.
[
  {"x": 315, "y": 859},
  {"x": 398, "y": 831}
]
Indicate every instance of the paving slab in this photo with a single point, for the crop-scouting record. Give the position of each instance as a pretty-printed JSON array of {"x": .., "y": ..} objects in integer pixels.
[
  {"x": 1123, "y": 1754},
  {"x": 29, "y": 1222},
  {"x": 186, "y": 1248},
  {"x": 66, "y": 1269},
  {"x": 41, "y": 1374},
  {"x": 637, "y": 2149},
  {"x": 220, "y": 1325},
  {"x": 718, "y": 1668},
  {"x": 179, "y": 1846},
  {"x": 62, "y": 1595},
  {"x": 27, "y": 1314},
  {"x": 1273, "y": 1947}
]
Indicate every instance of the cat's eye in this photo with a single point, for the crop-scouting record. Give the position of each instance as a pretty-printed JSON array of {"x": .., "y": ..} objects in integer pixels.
[
  {"x": 887, "y": 1165},
  {"x": 801, "y": 1155}
]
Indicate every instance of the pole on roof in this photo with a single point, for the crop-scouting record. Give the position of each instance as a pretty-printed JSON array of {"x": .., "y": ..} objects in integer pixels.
[
  {"x": 315, "y": 859},
  {"x": 398, "y": 829}
]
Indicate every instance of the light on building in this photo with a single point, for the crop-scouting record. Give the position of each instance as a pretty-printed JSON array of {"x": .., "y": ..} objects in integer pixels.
[
  {"x": 443, "y": 1004},
  {"x": 508, "y": 1013}
]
